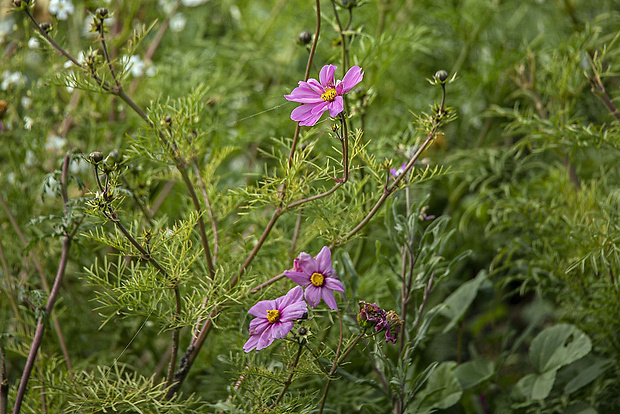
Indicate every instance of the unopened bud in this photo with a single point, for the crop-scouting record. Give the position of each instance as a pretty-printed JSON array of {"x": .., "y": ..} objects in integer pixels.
[
  {"x": 95, "y": 157},
  {"x": 304, "y": 38},
  {"x": 102, "y": 12},
  {"x": 46, "y": 27},
  {"x": 441, "y": 76},
  {"x": 349, "y": 4}
]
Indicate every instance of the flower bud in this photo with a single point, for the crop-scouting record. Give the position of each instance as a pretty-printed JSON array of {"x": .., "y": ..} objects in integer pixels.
[
  {"x": 349, "y": 4},
  {"x": 114, "y": 156},
  {"x": 20, "y": 4},
  {"x": 441, "y": 76},
  {"x": 102, "y": 12},
  {"x": 304, "y": 38},
  {"x": 46, "y": 27},
  {"x": 95, "y": 157},
  {"x": 168, "y": 120}
]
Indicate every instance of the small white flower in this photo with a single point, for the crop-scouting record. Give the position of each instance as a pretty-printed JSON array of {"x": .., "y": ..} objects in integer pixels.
[
  {"x": 134, "y": 65},
  {"x": 166, "y": 5},
  {"x": 50, "y": 187},
  {"x": 11, "y": 78},
  {"x": 28, "y": 123},
  {"x": 26, "y": 102},
  {"x": 193, "y": 3},
  {"x": 151, "y": 71},
  {"x": 55, "y": 143},
  {"x": 6, "y": 27},
  {"x": 177, "y": 22},
  {"x": 31, "y": 159},
  {"x": 78, "y": 165},
  {"x": 61, "y": 8},
  {"x": 33, "y": 43}
]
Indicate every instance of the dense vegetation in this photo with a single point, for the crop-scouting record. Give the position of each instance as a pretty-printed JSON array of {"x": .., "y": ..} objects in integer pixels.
[{"x": 460, "y": 188}]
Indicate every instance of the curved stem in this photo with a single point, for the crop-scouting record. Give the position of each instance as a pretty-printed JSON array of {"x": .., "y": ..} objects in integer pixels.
[
  {"x": 289, "y": 379},
  {"x": 40, "y": 329}
]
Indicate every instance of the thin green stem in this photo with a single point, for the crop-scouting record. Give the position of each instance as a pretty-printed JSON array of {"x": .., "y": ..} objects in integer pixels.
[{"x": 289, "y": 379}]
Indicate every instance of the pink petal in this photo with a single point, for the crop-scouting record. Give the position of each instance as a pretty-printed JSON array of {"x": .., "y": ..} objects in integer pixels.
[
  {"x": 302, "y": 112},
  {"x": 311, "y": 120},
  {"x": 326, "y": 76},
  {"x": 281, "y": 329},
  {"x": 333, "y": 284},
  {"x": 336, "y": 106},
  {"x": 292, "y": 296},
  {"x": 319, "y": 108},
  {"x": 313, "y": 295},
  {"x": 324, "y": 259},
  {"x": 304, "y": 94},
  {"x": 265, "y": 339},
  {"x": 351, "y": 78},
  {"x": 251, "y": 343},
  {"x": 298, "y": 277},
  {"x": 303, "y": 260},
  {"x": 328, "y": 297},
  {"x": 314, "y": 85},
  {"x": 294, "y": 311},
  {"x": 258, "y": 326},
  {"x": 261, "y": 308}
]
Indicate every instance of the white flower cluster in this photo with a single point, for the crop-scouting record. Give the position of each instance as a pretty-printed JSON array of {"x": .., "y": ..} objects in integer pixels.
[
  {"x": 62, "y": 9},
  {"x": 137, "y": 67},
  {"x": 11, "y": 78}
]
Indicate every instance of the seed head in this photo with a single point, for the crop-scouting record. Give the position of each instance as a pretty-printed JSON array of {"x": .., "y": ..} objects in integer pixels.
[
  {"x": 102, "y": 13},
  {"x": 95, "y": 157},
  {"x": 304, "y": 38},
  {"x": 441, "y": 76},
  {"x": 46, "y": 27}
]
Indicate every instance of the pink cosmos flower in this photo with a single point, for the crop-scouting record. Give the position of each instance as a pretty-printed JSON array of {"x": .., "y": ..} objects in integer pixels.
[
  {"x": 274, "y": 318},
  {"x": 317, "y": 275},
  {"x": 326, "y": 95}
]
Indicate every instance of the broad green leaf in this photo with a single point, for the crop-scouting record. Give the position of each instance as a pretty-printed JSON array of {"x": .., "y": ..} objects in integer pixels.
[
  {"x": 442, "y": 389},
  {"x": 535, "y": 386},
  {"x": 558, "y": 346},
  {"x": 587, "y": 376},
  {"x": 455, "y": 305},
  {"x": 474, "y": 372}
]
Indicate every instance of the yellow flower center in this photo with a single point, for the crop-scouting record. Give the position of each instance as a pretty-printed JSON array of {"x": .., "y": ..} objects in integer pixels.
[
  {"x": 329, "y": 95},
  {"x": 273, "y": 316},
  {"x": 317, "y": 279}
]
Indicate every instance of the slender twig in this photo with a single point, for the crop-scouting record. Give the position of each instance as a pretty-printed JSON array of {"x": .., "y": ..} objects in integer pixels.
[
  {"x": 40, "y": 329},
  {"x": 267, "y": 283},
  {"x": 46, "y": 287},
  {"x": 295, "y": 234},
  {"x": 334, "y": 366},
  {"x": 317, "y": 30},
  {"x": 11, "y": 290},
  {"x": 212, "y": 218},
  {"x": 201, "y": 223},
  {"x": 175, "y": 338},
  {"x": 4, "y": 386},
  {"x": 337, "y": 361},
  {"x": 289, "y": 379},
  {"x": 599, "y": 89},
  {"x": 106, "y": 54},
  {"x": 165, "y": 192}
]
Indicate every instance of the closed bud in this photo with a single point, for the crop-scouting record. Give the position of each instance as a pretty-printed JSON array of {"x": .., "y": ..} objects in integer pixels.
[
  {"x": 46, "y": 27},
  {"x": 102, "y": 12},
  {"x": 304, "y": 38},
  {"x": 114, "y": 155},
  {"x": 95, "y": 157},
  {"x": 349, "y": 4},
  {"x": 441, "y": 76}
]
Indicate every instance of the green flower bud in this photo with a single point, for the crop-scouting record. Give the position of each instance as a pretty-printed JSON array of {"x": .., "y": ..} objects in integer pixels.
[
  {"x": 304, "y": 38},
  {"x": 95, "y": 157}
]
